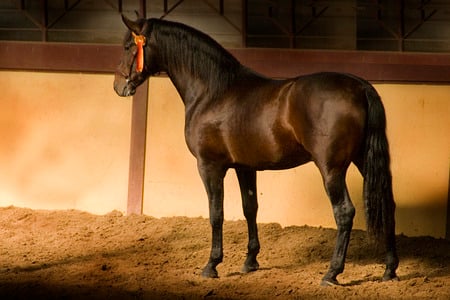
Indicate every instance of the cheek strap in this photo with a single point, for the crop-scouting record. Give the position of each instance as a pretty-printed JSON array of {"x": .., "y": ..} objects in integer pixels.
[{"x": 139, "y": 40}]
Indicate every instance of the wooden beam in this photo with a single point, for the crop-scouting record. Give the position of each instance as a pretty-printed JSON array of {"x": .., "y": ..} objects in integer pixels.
[
  {"x": 373, "y": 66},
  {"x": 59, "y": 57},
  {"x": 281, "y": 63}
]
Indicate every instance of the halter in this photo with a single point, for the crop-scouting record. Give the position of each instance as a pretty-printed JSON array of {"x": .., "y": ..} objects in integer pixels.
[{"x": 139, "y": 40}]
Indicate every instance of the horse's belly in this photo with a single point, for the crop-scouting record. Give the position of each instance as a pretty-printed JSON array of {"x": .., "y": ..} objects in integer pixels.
[{"x": 268, "y": 156}]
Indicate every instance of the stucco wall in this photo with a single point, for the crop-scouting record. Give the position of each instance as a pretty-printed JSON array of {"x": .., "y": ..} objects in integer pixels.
[{"x": 65, "y": 144}]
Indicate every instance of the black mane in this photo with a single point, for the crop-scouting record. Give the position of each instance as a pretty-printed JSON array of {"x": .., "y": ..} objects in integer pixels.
[{"x": 186, "y": 49}]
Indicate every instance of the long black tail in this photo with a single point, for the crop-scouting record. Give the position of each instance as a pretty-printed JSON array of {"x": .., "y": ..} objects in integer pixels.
[{"x": 378, "y": 197}]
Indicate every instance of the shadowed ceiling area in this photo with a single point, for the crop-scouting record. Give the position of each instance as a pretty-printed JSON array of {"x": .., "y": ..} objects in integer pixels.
[{"x": 383, "y": 25}]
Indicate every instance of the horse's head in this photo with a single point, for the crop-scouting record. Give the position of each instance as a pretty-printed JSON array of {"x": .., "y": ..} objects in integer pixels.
[{"x": 137, "y": 61}]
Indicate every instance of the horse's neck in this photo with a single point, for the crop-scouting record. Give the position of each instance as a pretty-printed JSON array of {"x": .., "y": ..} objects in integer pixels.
[
  {"x": 193, "y": 74},
  {"x": 191, "y": 89}
]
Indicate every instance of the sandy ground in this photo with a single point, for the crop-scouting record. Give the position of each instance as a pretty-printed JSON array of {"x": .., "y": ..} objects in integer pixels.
[{"x": 76, "y": 255}]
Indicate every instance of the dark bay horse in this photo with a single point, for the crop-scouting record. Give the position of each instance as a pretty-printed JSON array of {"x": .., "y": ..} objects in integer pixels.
[{"x": 238, "y": 119}]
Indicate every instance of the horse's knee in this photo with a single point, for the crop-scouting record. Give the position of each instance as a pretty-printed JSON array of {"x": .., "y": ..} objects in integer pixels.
[{"x": 344, "y": 214}]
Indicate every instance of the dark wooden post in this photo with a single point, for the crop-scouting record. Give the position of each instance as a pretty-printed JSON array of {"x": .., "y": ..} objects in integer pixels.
[
  {"x": 137, "y": 150},
  {"x": 136, "y": 173},
  {"x": 447, "y": 230}
]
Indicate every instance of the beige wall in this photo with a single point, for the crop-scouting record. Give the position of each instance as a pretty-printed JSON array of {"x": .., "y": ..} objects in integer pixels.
[{"x": 65, "y": 144}]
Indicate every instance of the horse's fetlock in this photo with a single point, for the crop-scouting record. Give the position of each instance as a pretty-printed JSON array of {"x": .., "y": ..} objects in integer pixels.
[
  {"x": 216, "y": 256},
  {"x": 253, "y": 247}
]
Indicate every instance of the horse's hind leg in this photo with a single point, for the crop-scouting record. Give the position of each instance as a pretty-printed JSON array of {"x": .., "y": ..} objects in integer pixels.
[
  {"x": 344, "y": 212},
  {"x": 212, "y": 177},
  {"x": 247, "y": 183}
]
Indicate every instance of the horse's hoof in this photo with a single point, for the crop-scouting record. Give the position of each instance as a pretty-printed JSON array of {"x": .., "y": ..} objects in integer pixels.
[
  {"x": 249, "y": 268},
  {"x": 390, "y": 278},
  {"x": 329, "y": 282},
  {"x": 210, "y": 272}
]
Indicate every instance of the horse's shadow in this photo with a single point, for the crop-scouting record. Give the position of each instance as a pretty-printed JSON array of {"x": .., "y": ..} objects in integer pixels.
[
  {"x": 431, "y": 253},
  {"x": 239, "y": 274}
]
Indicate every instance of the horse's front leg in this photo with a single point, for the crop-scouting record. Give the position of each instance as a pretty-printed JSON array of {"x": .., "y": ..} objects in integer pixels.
[
  {"x": 212, "y": 177},
  {"x": 247, "y": 183}
]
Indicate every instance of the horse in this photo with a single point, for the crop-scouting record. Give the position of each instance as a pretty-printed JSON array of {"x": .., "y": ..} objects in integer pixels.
[{"x": 238, "y": 119}]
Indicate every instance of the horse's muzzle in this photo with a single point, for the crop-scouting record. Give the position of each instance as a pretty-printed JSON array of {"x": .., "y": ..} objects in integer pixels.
[{"x": 123, "y": 87}]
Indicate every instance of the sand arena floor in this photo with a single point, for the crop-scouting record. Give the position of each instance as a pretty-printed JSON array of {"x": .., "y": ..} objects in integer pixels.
[{"x": 76, "y": 255}]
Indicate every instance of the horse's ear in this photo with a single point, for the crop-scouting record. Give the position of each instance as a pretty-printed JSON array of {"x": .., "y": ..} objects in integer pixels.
[{"x": 135, "y": 27}]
